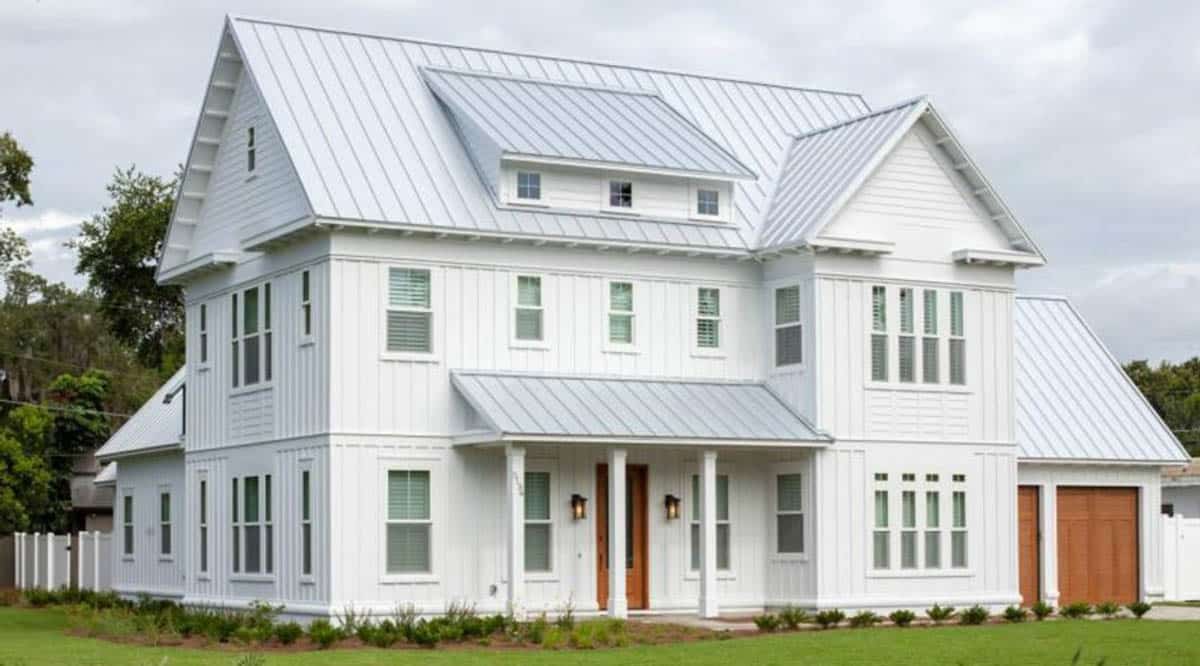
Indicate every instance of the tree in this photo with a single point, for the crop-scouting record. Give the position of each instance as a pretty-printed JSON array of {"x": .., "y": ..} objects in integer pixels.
[
  {"x": 15, "y": 165},
  {"x": 1174, "y": 392},
  {"x": 25, "y": 477},
  {"x": 119, "y": 250}
]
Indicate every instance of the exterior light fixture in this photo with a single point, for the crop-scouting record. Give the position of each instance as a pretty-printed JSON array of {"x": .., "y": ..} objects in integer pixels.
[
  {"x": 578, "y": 506},
  {"x": 672, "y": 504}
]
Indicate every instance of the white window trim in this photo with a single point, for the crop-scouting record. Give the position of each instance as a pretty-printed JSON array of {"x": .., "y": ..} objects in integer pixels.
[
  {"x": 516, "y": 187},
  {"x": 310, "y": 578},
  {"x": 804, "y": 470},
  {"x": 203, "y": 521},
  {"x": 435, "y": 322},
  {"x": 724, "y": 201},
  {"x": 203, "y": 337},
  {"x": 263, "y": 383},
  {"x": 634, "y": 347},
  {"x": 962, "y": 336},
  {"x": 128, "y": 553},
  {"x": 514, "y": 295},
  {"x": 722, "y": 319},
  {"x": 557, "y": 513},
  {"x": 895, "y": 487},
  {"x": 435, "y": 519},
  {"x": 606, "y": 206},
  {"x": 251, "y": 128},
  {"x": 775, "y": 326},
  {"x": 169, "y": 525},
  {"x": 686, "y": 522},
  {"x": 261, "y": 575},
  {"x": 893, "y": 335},
  {"x": 306, "y": 305}
]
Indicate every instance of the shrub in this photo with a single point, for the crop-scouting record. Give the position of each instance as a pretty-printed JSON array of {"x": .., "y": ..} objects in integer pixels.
[
  {"x": 566, "y": 618},
  {"x": 288, "y": 632},
  {"x": 974, "y": 615},
  {"x": 864, "y": 619},
  {"x": 767, "y": 622},
  {"x": 554, "y": 638},
  {"x": 1076, "y": 611},
  {"x": 1015, "y": 614},
  {"x": 385, "y": 634},
  {"x": 940, "y": 614},
  {"x": 349, "y": 620},
  {"x": 535, "y": 632},
  {"x": 1042, "y": 610},
  {"x": 245, "y": 636},
  {"x": 793, "y": 617},
  {"x": 323, "y": 633},
  {"x": 1139, "y": 608},
  {"x": 495, "y": 624},
  {"x": 251, "y": 659},
  {"x": 424, "y": 634},
  {"x": 1108, "y": 609},
  {"x": 830, "y": 618},
  {"x": 39, "y": 598},
  {"x": 902, "y": 618}
]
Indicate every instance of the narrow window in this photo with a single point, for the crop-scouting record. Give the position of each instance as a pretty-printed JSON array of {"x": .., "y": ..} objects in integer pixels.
[
  {"x": 305, "y": 304},
  {"x": 164, "y": 523},
  {"x": 408, "y": 522},
  {"x": 620, "y": 194},
  {"x": 789, "y": 514},
  {"x": 268, "y": 531},
  {"x": 881, "y": 537},
  {"x": 252, "y": 337},
  {"x": 203, "y": 333},
  {"x": 708, "y": 318},
  {"x": 237, "y": 534},
  {"x": 266, "y": 351},
  {"x": 250, "y": 148},
  {"x": 958, "y": 530},
  {"x": 958, "y": 346},
  {"x": 127, "y": 524},
  {"x": 708, "y": 202},
  {"x": 879, "y": 344},
  {"x": 251, "y": 525},
  {"x": 537, "y": 522},
  {"x": 529, "y": 185},
  {"x": 620, "y": 313},
  {"x": 305, "y": 523},
  {"x": 528, "y": 316},
  {"x": 236, "y": 369},
  {"x": 409, "y": 314},
  {"x": 723, "y": 535},
  {"x": 908, "y": 529},
  {"x": 789, "y": 349},
  {"x": 933, "y": 523},
  {"x": 929, "y": 343},
  {"x": 203, "y": 526},
  {"x": 907, "y": 343}
]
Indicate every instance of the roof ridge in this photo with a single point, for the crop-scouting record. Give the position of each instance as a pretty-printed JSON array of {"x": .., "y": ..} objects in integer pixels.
[
  {"x": 857, "y": 119},
  {"x": 530, "y": 54},
  {"x": 1043, "y": 297}
]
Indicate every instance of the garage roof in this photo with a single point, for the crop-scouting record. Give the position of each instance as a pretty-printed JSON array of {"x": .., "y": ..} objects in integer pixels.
[{"x": 156, "y": 426}]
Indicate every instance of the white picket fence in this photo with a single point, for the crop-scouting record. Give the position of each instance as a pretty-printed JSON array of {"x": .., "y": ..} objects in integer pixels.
[
  {"x": 45, "y": 560},
  {"x": 1181, "y": 554}
]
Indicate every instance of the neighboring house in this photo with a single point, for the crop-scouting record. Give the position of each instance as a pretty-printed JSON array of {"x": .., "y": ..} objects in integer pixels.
[
  {"x": 468, "y": 326},
  {"x": 91, "y": 500},
  {"x": 1181, "y": 491}
]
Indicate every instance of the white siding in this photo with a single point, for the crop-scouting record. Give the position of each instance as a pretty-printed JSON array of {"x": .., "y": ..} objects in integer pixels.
[
  {"x": 1185, "y": 499},
  {"x": 147, "y": 570}
]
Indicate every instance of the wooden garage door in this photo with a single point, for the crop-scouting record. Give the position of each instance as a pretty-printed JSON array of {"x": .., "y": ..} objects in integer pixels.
[
  {"x": 1029, "y": 546},
  {"x": 1097, "y": 545}
]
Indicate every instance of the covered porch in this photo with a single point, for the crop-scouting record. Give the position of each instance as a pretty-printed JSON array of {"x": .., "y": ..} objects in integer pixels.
[{"x": 628, "y": 495}]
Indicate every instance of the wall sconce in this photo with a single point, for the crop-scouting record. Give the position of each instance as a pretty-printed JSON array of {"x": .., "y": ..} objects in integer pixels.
[
  {"x": 578, "y": 506},
  {"x": 672, "y": 504}
]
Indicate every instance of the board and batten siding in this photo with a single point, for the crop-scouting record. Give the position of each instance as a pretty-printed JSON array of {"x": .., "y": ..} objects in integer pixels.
[{"x": 148, "y": 571}]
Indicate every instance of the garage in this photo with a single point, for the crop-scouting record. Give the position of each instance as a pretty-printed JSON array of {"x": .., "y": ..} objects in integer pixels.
[
  {"x": 1097, "y": 544},
  {"x": 1029, "y": 544}
]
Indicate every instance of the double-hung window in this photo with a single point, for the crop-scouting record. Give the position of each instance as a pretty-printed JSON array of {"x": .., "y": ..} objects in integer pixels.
[
  {"x": 933, "y": 523},
  {"x": 708, "y": 202},
  {"x": 203, "y": 526},
  {"x": 620, "y": 194},
  {"x": 306, "y": 523},
  {"x": 908, "y": 529},
  {"x": 881, "y": 536},
  {"x": 708, "y": 318},
  {"x": 236, "y": 543},
  {"x": 250, "y": 150},
  {"x": 251, "y": 525},
  {"x": 252, "y": 336},
  {"x": 305, "y": 304},
  {"x": 528, "y": 317},
  {"x": 929, "y": 343},
  {"x": 958, "y": 525},
  {"x": 789, "y": 514},
  {"x": 203, "y": 333},
  {"x": 164, "y": 523},
  {"x": 789, "y": 349},
  {"x": 409, "y": 311},
  {"x": 907, "y": 342},
  {"x": 409, "y": 524},
  {"x": 538, "y": 528},
  {"x": 723, "y": 523},
  {"x": 127, "y": 524},
  {"x": 620, "y": 313},
  {"x": 529, "y": 185},
  {"x": 879, "y": 338},
  {"x": 253, "y": 543},
  {"x": 958, "y": 345}
]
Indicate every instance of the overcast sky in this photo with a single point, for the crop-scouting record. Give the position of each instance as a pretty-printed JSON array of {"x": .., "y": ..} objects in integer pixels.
[{"x": 1085, "y": 116}]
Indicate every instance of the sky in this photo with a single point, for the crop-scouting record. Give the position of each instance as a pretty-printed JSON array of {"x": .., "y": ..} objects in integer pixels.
[{"x": 1085, "y": 116}]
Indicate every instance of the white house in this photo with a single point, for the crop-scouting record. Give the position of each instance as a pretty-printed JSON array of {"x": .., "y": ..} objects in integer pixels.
[
  {"x": 519, "y": 331},
  {"x": 1181, "y": 491}
]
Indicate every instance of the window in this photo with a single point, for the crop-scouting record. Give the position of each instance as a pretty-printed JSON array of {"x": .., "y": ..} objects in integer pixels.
[
  {"x": 127, "y": 524},
  {"x": 409, "y": 315},
  {"x": 788, "y": 333},
  {"x": 305, "y": 304},
  {"x": 251, "y": 526},
  {"x": 620, "y": 313},
  {"x": 250, "y": 148},
  {"x": 252, "y": 336},
  {"x": 268, "y": 531},
  {"x": 723, "y": 537},
  {"x": 203, "y": 526},
  {"x": 537, "y": 522},
  {"x": 958, "y": 346},
  {"x": 253, "y": 543},
  {"x": 907, "y": 343},
  {"x": 708, "y": 202},
  {"x": 528, "y": 317},
  {"x": 881, "y": 537},
  {"x": 408, "y": 522},
  {"x": 933, "y": 522},
  {"x": 708, "y": 318},
  {"x": 305, "y": 523},
  {"x": 164, "y": 523},
  {"x": 958, "y": 530},
  {"x": 237, "y": 541},
  {"x": 529, "y": 185},
  {"x": 879, "y": 344},
  {"x": 203, "y": 333},
  {"x": 908, "y": 529},
  {"x": 789, "y": 514},
  {"x": 620, "y": 194},
  {"x": 929, "y": 343}
]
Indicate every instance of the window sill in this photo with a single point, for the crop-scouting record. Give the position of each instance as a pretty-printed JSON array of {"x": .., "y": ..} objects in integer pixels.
[
  {"x": 409, "y": 357},
  {"x": 127, "y": 558},
  {"x": 789, "y": 557},
  {"x": 697, "y": 217},
  {"x": 166, "y": 558},
  {"x": 203, "y": 578},
  {"x": 541, "y": 577},
  {"x": 622, "y": 349},
  {"x": 721, "y": 575},
  {"x": 203, "y": 367},
  {"x": 253, "y": 388},
  {"x": 790, "y": 367},
  {"x": 307, "y": 341},
  {"x": 539, "y": 345},
  {"x": 252, "y": 578},
  {"x": 308, "y": 580},
  {"x": 708, "y": 353},
  {"x": 921, "y": 573},
  {"x": 409, "y": 579},
  {"x": 917, "y": 387},
  {"x": 251, "y": 177},
  {"x": 527, "y": 203}
]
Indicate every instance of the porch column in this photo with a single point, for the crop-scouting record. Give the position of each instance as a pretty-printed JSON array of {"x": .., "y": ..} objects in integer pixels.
[
  {"x": 708, "y": 534},
  {"x": 514, "y": 467},
  {"x": 1049, "y": 545},
  {"x": 618, "y": 603}
]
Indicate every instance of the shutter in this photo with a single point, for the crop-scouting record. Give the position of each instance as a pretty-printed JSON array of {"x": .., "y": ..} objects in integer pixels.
[
  {"x": 958, "y": 353},
  {"x": 408, "y": 288},
  {"x": 409, "y": 331},
  {"x": 789, "y": 492},
  {"x": 537, "y": 496},
  {"x": 408, "y": 548},
  {"x": 787, "y": 305},
  {"x": 929, "y": 360},
  {"x": 529, "y": 290},
  {"x": 408, "y": 495},
  {"x": 879, "y": 362}
]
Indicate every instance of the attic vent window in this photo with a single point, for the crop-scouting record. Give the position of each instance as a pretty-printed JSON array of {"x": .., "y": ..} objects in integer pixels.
[
  {"x": 529, "y": 185},
  {"x": 250, "y": 148},
  {"x": 620, "y": 194},
  {"x": 708, "y": 202}
]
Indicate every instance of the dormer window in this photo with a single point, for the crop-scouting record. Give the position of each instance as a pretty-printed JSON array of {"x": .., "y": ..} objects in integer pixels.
[
  {"x": 529, "y": 185},
  {"x": 620, "y": 194},
  {"x": 250, "y": 149},
  {"x": 708, "y": 202}
]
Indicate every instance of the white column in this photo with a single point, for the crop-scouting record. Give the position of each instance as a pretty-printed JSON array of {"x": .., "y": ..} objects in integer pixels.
[
  {"x": 50, "y": 561},
  {"x": 514, "y": 457},
  {"x": 96, "y": 560},
  {"x": 708, "y": 534},
  {"x": 618, "y": 603},
  {"x": 78, "y": 546},
  {"x": 1049, "y": 545}
]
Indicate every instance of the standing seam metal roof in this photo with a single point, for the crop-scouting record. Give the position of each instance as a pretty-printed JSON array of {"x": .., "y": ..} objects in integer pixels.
[{"x": 155, "y": 424}]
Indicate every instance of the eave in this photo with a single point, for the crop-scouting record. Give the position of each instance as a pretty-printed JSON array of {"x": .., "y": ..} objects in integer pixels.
[
  {"x": 162, "y": 448},
  {"x": 491, "y": 439},
  {"x": 205, "y": 263},
  {"x": 625, "y": 168},
  {"x": 998, "y": 258}
]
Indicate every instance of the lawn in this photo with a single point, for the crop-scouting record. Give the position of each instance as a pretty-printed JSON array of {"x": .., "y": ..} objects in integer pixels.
[{"x": 37, "y": 637}]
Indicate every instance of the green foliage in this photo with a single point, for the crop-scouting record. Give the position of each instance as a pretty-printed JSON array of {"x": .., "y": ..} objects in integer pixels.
[
  {"x": 1015, "y": 614},
  {"x": 940, "y": 614},
  {"x": 830, "y": 618},
  {"x": 288, "y": 632},
  {"x": 15, "y": 165},
  {"x": 864, "y": 619},
  {"x": 1077, "y": 610},
  {"x": 1138, "y": 608},
  {"x": 324, "y": 634},
  {"x": 25, "y": 482},
  {"x": 250, "y": 659},
  {"x": 793, "y": 617},
  {"x": 535, "y": 631},
  {"x": 902, "y": 618},
  {"x": 974, "y": 615},
  {"x": 1174, "y": 392},
  {"x": 1042, "y": 610},
  {"x": 767, "y": 622},
  {"x": 1108, "y": 609}
]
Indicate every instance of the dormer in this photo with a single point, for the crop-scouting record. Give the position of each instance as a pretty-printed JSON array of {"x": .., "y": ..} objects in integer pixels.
[{"x": 583, "y": 148}]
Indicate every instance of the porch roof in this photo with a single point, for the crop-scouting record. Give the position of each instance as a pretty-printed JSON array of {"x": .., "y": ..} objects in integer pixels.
[{"x": 533, "y": 407}]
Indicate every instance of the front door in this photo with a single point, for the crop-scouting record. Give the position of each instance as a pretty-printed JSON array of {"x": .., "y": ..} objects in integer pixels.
[{"x": 636, "y": 550}]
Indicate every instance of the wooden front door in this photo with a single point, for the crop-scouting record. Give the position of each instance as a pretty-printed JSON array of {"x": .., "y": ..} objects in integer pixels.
[
  {"x": 1029, "y": 543},
  {"x": 636, "y": 535},
  {"x": 1097, "y": 545}
]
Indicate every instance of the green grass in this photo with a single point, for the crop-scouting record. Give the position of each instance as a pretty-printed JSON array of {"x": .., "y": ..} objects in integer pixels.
[{"x": 36, "y": 637}]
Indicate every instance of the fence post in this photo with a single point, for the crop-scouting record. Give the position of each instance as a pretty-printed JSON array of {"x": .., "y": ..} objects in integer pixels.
[
  {"x": 96, "y": 560},
  {"x": 36, "y": 563},
  {"x": 50, "y": 560},
  {"x": 18, "y": 559}
]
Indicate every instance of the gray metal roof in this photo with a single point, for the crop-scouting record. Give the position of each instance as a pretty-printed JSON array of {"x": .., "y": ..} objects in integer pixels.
[
  {"x": 1074, "y": 402},
  {"x": 155, "y": 425},
  {"x": 526, "y": 405},
  {"x": 370, "y": 142},
  {"x": 535, "y": 118},
  {"x": 107, "y": 475}
]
